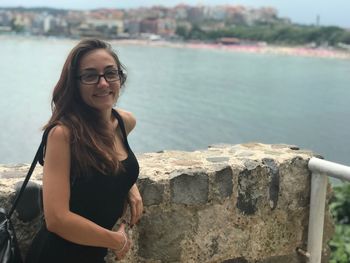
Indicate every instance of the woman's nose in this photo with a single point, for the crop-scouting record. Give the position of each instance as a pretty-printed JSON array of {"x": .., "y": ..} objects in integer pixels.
[{"x": 102, "y": 82}]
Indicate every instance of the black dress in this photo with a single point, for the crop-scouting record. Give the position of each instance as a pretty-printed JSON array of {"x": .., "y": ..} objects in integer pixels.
[{"x": 97, "y": 197}]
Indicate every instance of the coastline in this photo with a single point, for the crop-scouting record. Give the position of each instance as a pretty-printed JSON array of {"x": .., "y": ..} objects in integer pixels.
[
  {"x": 259, "y": 49},
  {"x": 301, "y": 51}
]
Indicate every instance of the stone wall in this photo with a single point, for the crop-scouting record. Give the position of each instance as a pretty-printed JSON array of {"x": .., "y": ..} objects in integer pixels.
[{"x": 230, "y": 203}]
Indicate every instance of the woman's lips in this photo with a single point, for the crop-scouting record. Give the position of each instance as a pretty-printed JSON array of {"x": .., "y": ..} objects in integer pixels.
[{"x": 103, "y": 94}]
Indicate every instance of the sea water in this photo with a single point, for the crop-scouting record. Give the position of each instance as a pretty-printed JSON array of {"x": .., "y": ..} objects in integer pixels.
[{"x": 187, "y": 99}]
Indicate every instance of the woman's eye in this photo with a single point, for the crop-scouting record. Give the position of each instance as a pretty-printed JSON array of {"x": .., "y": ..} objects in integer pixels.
[
  {"x": 111, "y": 74},
  {"x": 89, "y": 76}
]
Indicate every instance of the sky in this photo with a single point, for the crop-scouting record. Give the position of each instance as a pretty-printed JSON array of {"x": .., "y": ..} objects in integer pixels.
[{"x": 331, "y": 12}]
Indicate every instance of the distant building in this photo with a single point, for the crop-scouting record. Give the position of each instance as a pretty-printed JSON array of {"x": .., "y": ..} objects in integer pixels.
[
  {"x": 114, "y": 23},
  {"x": 166, "y": 27},
  {"x": 237, "y": 15},
  {"x": 110, "y": 25},
  {"x": 5, "y": 18},
  {"x": 264, "y": 15},
  {"x": 132, "y": 27},
  {"x": 180, "y": 12},
  {"x": 195, "y": 15},
  {"x": 47, "y": 25},
  {"x": 217, "y": 13},
  {"x": 149, "y": 25}
]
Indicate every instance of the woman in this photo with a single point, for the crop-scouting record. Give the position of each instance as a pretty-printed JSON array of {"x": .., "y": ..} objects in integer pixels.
[{"x": 89, "y": 170}]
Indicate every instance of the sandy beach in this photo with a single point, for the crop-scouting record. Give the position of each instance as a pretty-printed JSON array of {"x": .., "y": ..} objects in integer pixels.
[
  {"x": 262, "y": 49},
  {"x": 255, "y": 49}
]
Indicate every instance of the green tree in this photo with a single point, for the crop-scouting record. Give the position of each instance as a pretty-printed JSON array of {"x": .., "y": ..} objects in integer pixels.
[
  {"x": 182, "y": 32},
  {"x": 340, "y": 208},
  {"x": 272, "y": 33},
  {"x": 197, "y": 33}
]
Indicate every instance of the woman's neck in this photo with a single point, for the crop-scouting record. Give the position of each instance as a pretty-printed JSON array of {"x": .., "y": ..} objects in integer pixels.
[{"x": 107, "y": 115}]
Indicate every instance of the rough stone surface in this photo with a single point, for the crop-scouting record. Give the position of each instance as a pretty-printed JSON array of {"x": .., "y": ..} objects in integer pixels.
[
  {"x": 160, "y": 243},
  {"x": 251, "y": 164},
  {"x": 250, "y": 183},
  {"x": 190, "y": 189},
  {"x": 293, "y": 258},
  {"x": 246, "y": 203},
  {"x": 223, "y": 183},
  {"x": 235, "y": 260},
  {"x": 274, "y": 181},
  {"x": 217, "y": 159},
  {"x": 152, "y": 193}
]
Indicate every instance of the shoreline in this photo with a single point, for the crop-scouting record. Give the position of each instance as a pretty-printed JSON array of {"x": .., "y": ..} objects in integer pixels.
[
  {"x": 255, "y": 49},
  {"x": 300, "y": 51}
]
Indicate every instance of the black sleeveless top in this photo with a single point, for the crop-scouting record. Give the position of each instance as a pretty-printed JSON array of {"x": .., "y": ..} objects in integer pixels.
[{"x": 97, "y": 197}]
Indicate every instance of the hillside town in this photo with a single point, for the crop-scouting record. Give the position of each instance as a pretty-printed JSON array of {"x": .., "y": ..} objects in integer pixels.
[{"x": 154, "y": 23}]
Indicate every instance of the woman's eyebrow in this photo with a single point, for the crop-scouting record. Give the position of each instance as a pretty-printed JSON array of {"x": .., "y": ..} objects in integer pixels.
[
  {"x": 89, "y": 69},
  {"x": 111, "y": 66},
  {"x": 94, "y": 69}
]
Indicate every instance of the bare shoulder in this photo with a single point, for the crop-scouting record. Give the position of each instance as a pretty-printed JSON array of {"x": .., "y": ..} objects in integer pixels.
[
  {"x": 57, "y": 152},
  {"x": 129, "y": 120},
  {"x": 59, "y": 133}
]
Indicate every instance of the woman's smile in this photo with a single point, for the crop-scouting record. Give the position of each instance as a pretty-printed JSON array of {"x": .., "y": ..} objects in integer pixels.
[{"x": 103, "y": 94}]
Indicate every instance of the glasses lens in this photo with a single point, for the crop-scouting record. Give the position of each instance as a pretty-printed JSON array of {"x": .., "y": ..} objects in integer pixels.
[
  {"x": 89, "y": 78},
  {"x": 112, "y": 75}
]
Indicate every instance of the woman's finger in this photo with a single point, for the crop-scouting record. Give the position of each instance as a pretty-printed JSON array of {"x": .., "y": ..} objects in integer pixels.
[{"x": 133, "y": 210}]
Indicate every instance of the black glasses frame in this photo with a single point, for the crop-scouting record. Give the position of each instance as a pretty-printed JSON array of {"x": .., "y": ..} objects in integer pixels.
[{"x": 120, "y": 74}]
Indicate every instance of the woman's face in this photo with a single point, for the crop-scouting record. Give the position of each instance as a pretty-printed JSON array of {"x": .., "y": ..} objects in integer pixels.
[{"x": 99, "y": 92}]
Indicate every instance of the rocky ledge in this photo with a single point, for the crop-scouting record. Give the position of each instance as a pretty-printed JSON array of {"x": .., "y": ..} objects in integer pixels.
[{"x": 230, "y": 203}]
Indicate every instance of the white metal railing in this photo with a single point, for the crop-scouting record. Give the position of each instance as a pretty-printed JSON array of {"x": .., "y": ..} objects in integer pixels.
[{"x": 320, "y": 170}]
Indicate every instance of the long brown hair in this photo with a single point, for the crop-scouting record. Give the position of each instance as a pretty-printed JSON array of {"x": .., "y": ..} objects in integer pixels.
[{"x": 91, "y": 142}]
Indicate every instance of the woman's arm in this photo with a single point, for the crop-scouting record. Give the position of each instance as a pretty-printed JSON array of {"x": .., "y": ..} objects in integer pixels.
[
  {"x": 56, "y": 194},
  {"x": 129, "y": 120},
  {"x": 134, "y": 196},
  {"x": 136, "y": 204}
]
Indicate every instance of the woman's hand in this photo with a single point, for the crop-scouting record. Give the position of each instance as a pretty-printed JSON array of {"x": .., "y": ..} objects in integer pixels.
[
  {"x": 136, "y": 205},
  {"x": 124, "y": 243}
]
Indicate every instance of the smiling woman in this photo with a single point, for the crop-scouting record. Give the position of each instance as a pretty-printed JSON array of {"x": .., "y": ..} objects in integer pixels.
[
  {"x": 89, "y": 171},
  {"x": 99, "y": 80}
]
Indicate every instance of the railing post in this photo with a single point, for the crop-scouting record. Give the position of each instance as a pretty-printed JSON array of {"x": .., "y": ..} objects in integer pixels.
[
  {"x": 316, "y": 219},
  {"x": 320, "y": 169}
]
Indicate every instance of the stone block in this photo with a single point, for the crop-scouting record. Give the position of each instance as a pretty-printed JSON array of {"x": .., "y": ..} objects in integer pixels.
[
  {"x": 151, "y": 192},
  {"x": 274, "y": 181},
  {"x": 246, "y": 201},
  {"x": 223, "y": 183},
  {"x": 251, "y": 164},
  {"x": 190, "y": 189},
  {"x": 161, "y": 234}
]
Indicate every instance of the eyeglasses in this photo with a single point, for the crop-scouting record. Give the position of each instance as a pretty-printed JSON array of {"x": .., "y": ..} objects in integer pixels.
[{"x": 94, "y": 78}]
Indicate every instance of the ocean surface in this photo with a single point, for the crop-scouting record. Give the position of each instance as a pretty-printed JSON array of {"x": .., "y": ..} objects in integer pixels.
[{"x": 187, "y": 99}]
